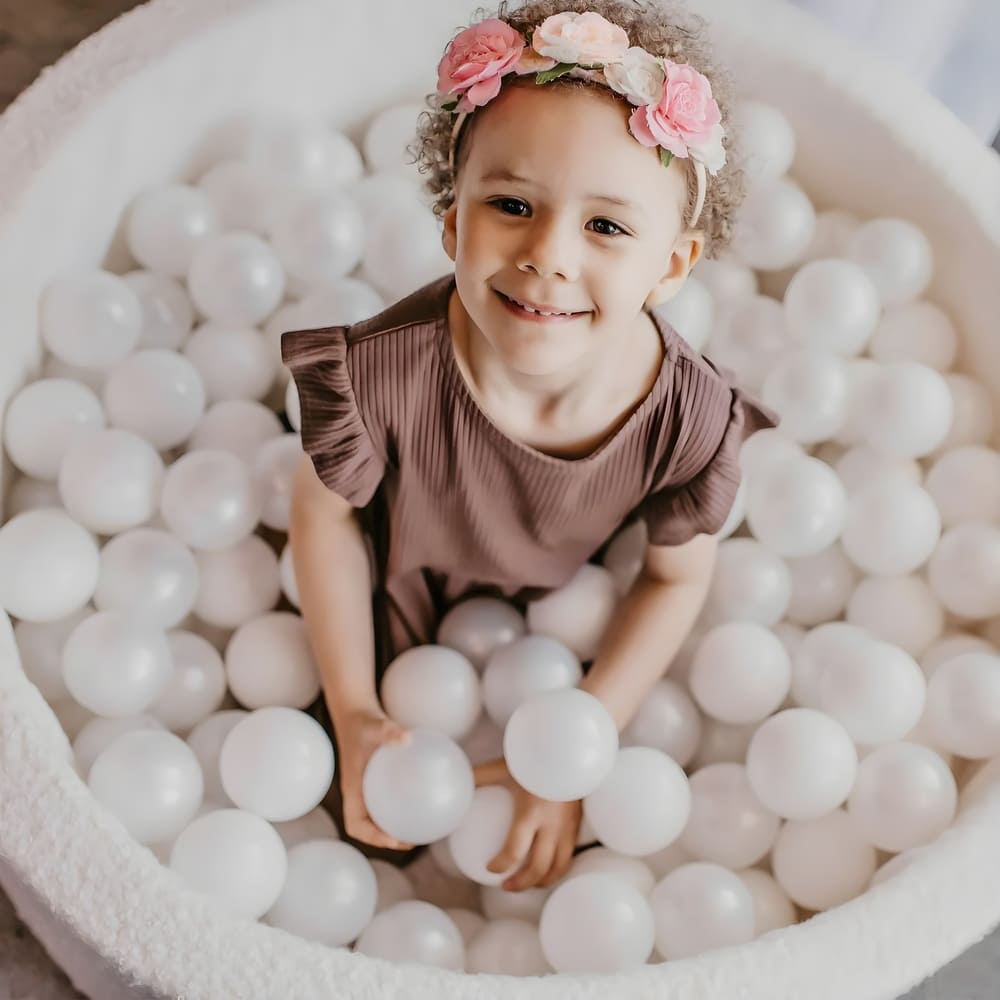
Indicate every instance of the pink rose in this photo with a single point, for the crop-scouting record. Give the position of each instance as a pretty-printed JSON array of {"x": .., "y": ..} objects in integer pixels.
[
  {"x": 532, "y": 62},
  {"x": 475, "y": 61},
  {"x": 684, "y": 119},
  {"x": 580, "y": 38}
]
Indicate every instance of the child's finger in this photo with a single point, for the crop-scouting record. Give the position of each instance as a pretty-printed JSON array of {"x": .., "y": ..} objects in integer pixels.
[
  {"x": 562, "y": 861},
  {"x": 516, "y": 848},
  {"x": 362, "y": 827},
  {"x": 539, "y": 862}
]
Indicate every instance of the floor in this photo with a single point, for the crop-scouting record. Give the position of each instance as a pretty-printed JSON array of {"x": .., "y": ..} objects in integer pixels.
[{"x": 33, "y": 35}]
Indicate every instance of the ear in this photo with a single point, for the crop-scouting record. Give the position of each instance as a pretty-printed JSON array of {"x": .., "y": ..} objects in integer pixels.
[
  {"x": 449, "y": 235},
  {"x": 686, "y": 253}
]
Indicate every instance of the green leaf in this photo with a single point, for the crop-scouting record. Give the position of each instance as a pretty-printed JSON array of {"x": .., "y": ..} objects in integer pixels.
[
  {"x": 665, "y": 156},
  {"x": 450, "y": 106},
  {"x": 548, "y": 75}
]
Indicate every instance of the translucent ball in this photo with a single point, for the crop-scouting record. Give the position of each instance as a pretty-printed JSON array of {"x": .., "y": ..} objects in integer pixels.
[
  {"x": 906, "y": 409},
  {"x": 626, "y": 554},
  {"x": 741, "y": 673},
  {"x": 277, "y": 763},
  {"x": 691, "y": 312},
  {"x": 700, "y": 906},
  {"x": 89, "y": 318},
  {"x": 822, "y": 862},
  {"x": 49, "y": 565},
  {"x": 766, "y": 449},
  {"x": 238, "y": 583},
  {"x": 419, "y": 791},
  {"x": 233, "y": 362},
  {"x": 148, "y": 573},
  {"x": 561, "y": 745},
  {"x": 963, "y": 705},
  {"x": 666, "y": 719},
  {"x": 277, "y": 637},
  {"x": 40, "y": 645},
  {"x": 388, "y": 135},
  {"x": 892, "y": 527},
  {"x": 916, "y": 331},
  {"x": 897, "y": 257},
  {"x": 828, "y": 644},
  {"x": 115, "y": 664},
  {"x": 861, "y": 372},
  {"x": 728, "y": 824},
  {"x": 482, "y": 832},
  {"x": 403, "y": 252},
  {"x": 150, "y": 780},
  {"x": 300, "y": 152},
  {"x": 329, "y": 893},
  {"x": 209, "y": 500},
  {"x": 414, "y": 931},
  {"x": 602, "y": 859},
  {"x": 44, "y": 419},
  {"x": 904, "y": 797},
  {"x": 235, "y": 857},
  {"x": 578, "y": 612},
  {"x": 750, "y": 584},
  {"x": 832, "y": 236},
  {"x": 965, "y": 485},
  {"x": 949, "y": 646},
  {"x": 772, "y": 909},
  {"x": 385, "y": 192},
  {"x": 340, "y": 301},
  {"x": 206, "y": 739},
  {"x": 477, "y": 627},
  {"x": 246, "y": 195},
  {"x": 319, "y": 236},
  {"x": 768, "y": 136},
  {"x": 726, "y": 277},
  {"x": 643, "y": 803},
  {"x": 433, "y": 687},
  {"x": 877, "y": 694},
  {"x": 237, "y": 425},
  {"x": 167, "y": 311},
  {"x": 821, "y": 586},
  {"x": 274, "y": 472},
  {"x": 99, "y": 733},
  {"x": 860, "y": 465},
  {"x": 801, "y": 763},
  {"x": 810, "y": 393},
  {"x": 236, "y": 279},
  {"x": 752, "y": 339},
  {"x": 963, "y": 570},
  {"x": 596, "y": 923},
  {"x": 775, "y": 225},
  {"x": 507, "y": 947},
  {"x": 166, "y": 226},
  {"x": 901, "y": 610},
  {"x": 972, "y": 422},
  {"x": 197, "y": 685},
  {"x": 525, "y": 667}
]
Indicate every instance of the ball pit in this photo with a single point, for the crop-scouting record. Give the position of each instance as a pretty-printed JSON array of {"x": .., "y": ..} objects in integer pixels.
[{"x": 866, "y": 142}]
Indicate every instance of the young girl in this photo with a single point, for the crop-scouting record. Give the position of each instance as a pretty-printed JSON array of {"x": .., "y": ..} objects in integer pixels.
[{"x": 492, "y": 431}]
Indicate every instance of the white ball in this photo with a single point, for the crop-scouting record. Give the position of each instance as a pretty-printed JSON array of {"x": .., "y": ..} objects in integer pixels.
[
  {"x": 973, "y": 412},
  {"x": 774, "y": 226},
  {"x": 625, "y": 555},
  {"x": 432, "y": 687},
  {"x": 166, "y": 226},
  {"x": 89, "y": 318},
  {"x": 286, "y": 573},
  {"x": 236, "y": 279},
  {"x": 206, "y": 739},
  {"x": 965, "y": 484},
  {"x": 328, "y": 895},
  {"x": 148, "y": 573},
  {"x": 596, "y": 923},
  {"x": 387, "y": 136},
  {"x": 901, "y": 610},
  {"x": 821, "y": 586},
  {"x": 728, "y": 824},
  {"x": 499, "y": 904},
  {"x": 561, "y": 745},
  {"x": 150, "y": 780},
  {"x": 700, "y": 906},
  {"x": 809, "y": 391},
  {"x": 403, "y": 252},
  {"x": 741, "y": 673},
  {"x": 949, "y": 646},
  {"x": 414, "y": 931},
  {"x": 317, "y": 824},
  {"x": 115, "y": 664},
  {"x": 44, "y": 419},
  {"x": 916, "y": 331},
  {"x": 468, "y": 922},
  {"x": 963, "y": 705},
  {"x": 232, "y": 362},
  {"x": 828, "y": 644},
  {"x": 507, "y": 947},
  {"x": 897, "y": 257},
  {"x": 111, "y": 480},
  {"x": 525, "y": 667},
  {"x": 197, "y": 685},
  {"x": 750, "y": 584},
  {"x": 769, "y": 139},
  {"x": 801, "y": 763},
  {"x": 274, "y": 472},
  {"x": 240, "y": 426},
  {"x": 666, "y": 719},
  {"x": 301, "y": 152},
  {"x": 277, "y": 762},
  {"x": 766, "y": 449},
  {"x": 859, "y": 466},
  {"x": 481, "y": 834},
  {"x": 726, "y": 277},
  {"x": 49, "y": 565},
  {"x": 578, "y": 612},
  {"x": 691, "y": 312},
  {"x": 167, "y": 311},
  {"x": 751, "y": 339},
  {"x": 393, "y": 885},
  {"x": 964, "y": 571},
  {"x": 772, "y": 909},
  {"x": 235, "y": 857},
  {"x": 822, "y": 862},
  {"x": 245, "y": 195},
  {"x": 477, "y": 627},
  {"x": 635, "y": 871},
  {"x": 339, "y": 302},
  {"x": 832, "y": 305},
  {"x": 26, "y": 493},
  {"x": 904, "y": 797},
  {"x": 238, "y": 583},
  {"x": 96, "y": 735},
  {"x": 419, "y": 791},
  {"x": 40, "y": 646},
  {"x": 319, "y": 236},
  {"x": 253, "y": 651}
]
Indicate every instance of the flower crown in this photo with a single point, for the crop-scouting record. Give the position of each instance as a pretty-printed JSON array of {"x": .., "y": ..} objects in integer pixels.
[{"x": 674, "y": 107}]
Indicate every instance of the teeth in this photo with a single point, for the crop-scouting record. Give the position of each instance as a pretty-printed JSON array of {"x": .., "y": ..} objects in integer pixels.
[{"x": 540, "y": 312}]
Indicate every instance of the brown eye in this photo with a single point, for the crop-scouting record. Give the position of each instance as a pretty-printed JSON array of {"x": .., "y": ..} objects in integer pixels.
[
  {"x": 605, "y": 227},
  {"x": 511, "y": 206}
]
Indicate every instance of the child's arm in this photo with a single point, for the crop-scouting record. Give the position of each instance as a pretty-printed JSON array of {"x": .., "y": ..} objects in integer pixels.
[{"x": 334, "y": 582}]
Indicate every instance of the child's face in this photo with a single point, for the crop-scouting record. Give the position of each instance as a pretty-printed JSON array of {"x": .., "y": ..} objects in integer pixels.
[{"x": 558, "y": 205}]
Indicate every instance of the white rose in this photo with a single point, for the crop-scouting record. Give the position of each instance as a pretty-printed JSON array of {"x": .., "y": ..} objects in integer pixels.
[
  {"x": 639, "y": 76},
  {"x": 711, "y": 152}
]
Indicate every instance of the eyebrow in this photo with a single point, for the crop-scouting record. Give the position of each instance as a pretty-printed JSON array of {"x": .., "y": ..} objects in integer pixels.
[{"x": 507, "y": 175}]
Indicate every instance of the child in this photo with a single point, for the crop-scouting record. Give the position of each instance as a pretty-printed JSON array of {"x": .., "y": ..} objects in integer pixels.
[{"x": 493, "y": 430}]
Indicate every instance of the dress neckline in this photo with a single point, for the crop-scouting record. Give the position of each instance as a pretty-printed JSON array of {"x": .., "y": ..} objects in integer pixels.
[{"x": 461, "y": 388}]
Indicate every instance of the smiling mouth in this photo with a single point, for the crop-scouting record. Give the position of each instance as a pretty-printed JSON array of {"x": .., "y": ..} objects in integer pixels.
[{"x": 523, "y": 309}]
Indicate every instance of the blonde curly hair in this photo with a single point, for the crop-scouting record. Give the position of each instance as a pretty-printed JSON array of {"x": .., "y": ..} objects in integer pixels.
[{"x": 662, "y": 27}]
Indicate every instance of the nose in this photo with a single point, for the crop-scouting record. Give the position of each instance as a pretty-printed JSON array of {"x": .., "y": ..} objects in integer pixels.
[{"x": 551, "y": 248}]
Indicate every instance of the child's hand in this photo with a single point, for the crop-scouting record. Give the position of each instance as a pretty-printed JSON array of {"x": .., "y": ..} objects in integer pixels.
[
  {"x": 359, "y": 735},
  {"x": 542, "y": 834}
]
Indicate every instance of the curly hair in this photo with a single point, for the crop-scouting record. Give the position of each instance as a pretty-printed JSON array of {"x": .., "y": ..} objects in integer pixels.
[{"x": 662, "y": 27}]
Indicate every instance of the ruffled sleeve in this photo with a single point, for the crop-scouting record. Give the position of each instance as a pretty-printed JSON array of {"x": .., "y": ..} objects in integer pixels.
[
  {"x": 700, "y": 494},
  {"x": 334, "y": 434}
]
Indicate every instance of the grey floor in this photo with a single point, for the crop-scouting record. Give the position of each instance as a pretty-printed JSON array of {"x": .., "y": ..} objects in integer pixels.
[{"x": 32, "y": 35}]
